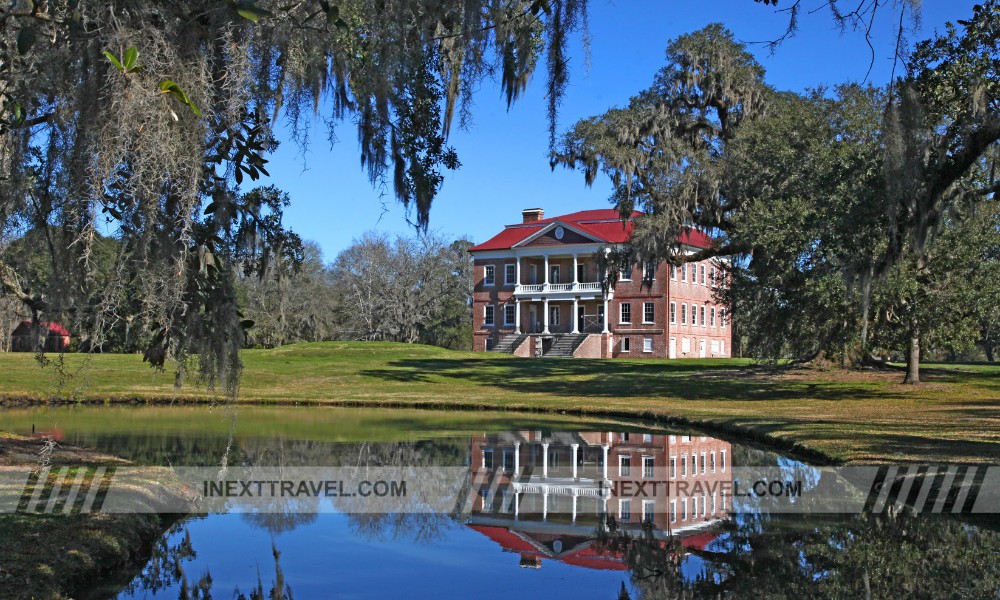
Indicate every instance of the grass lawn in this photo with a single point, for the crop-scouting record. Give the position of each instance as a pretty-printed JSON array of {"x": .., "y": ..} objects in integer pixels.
[{"x": 851, "y": 417}]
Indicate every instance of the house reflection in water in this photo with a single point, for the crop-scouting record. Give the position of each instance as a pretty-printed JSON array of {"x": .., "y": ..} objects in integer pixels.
[{"x": 543, "y": 494}]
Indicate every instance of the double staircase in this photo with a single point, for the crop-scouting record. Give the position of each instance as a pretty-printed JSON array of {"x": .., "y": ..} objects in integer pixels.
[{"x": 558, "y": 345}]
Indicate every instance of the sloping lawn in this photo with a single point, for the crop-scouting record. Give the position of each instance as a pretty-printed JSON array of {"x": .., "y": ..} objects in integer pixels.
[{"x": 866, "y": 416}]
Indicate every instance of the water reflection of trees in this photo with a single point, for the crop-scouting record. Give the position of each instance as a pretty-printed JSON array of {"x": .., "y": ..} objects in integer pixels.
[
  {"x": 167, "y": 568},
  {"x": 796, "y": 556}
]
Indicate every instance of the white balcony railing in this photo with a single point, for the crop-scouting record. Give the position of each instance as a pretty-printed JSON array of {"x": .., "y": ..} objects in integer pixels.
[{"x": 592, "y": 286}]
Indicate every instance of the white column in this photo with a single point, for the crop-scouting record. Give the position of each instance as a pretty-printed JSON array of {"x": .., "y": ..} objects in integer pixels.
[
  {"x": 574, "y": 448},
  {"x": 607, "y": 317},
  {"x": 517, "y": 313},
  {"x": 517, "y": 270},
  {"x": 576, "y": 278},
  {"x": 576, "y": 316},
  {"x": 574, "y": 505},
  {"x": 546, "y": 280},
  {"x": 605, "y": 464},
  {"x": 545, "y": 317},
  {"x": 545, "y": 460},
  {"x": 545, "y": 504},
  {"x": 517, "y": 501},
  {"x": 517, "y": 459}
]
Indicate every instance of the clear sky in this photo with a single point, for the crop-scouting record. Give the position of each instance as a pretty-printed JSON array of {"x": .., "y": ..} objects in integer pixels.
[{"x": 504, "y": 153}]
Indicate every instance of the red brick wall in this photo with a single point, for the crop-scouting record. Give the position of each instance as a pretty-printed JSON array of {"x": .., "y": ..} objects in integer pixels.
[
  {"x": 591, "y": 347},
  {"x": 698, "y": 295}
]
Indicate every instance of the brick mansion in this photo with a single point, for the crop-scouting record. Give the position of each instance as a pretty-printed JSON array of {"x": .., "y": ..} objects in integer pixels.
[{"x": 537, "y": 292}]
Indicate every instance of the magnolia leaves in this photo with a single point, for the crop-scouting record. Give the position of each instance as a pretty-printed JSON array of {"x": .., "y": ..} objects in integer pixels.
[
  {"x": 129, "y": 63},
  {"x": 170, "y": 87}
]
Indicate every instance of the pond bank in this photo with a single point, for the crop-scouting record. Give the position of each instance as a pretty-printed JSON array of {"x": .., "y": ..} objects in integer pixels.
[
  {"x": 834, "y": 416},
  {"x": 61, "y": 556}
]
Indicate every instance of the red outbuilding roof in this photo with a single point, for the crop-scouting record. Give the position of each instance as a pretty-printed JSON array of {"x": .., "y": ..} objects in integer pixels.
[
  {"x": 605, "y": 225},
  {"x": 54, "y": 328}
]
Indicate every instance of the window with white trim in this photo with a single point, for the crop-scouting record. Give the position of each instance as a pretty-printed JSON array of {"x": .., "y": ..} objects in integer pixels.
[
  {"x": 704, "y": 504},
  {"x": 713, "y": 277},
  {"x": 702, "y": 315},
  {"x": 673, "y": 312},
  {"x": 711, "y": 463},
  {"x": 703, "y": 280},
  {"x": 684, "y": 509},
  {"x": 648, "y": 510},
  {"x": 714, "y": 505},
  {"x": 722, "y": 315},
  {"x": 509, "y": 274},
  {"x": 489, "y": 344},
  {"x": 684, "y": 314},
  {"x": 649, "y": 271},
  {"x": 488, "y": 458},
  {"x": 488, "y": 315},
  {"x": 673, "y": 511},
  {"x": 648, "y": 312},
  {"x": 647, "y": 467},
  {"x": 553, "y": 273},
  {"x": 626, "y": 273},
  {"x": 626, "y": 344},
  {"x": 647, "y": 344},
  {"x": 625, "y": 510},
  {"x": 673, "y": 272},
  {"x": 684, "y": 273},
  {"x": 509, "y": 316},
  {"x": 694, "y": 507},
  {"x": 722, "y": 460},
  {"x": 489, "y": 275},
  {"x": 694, "y": 463},
  {"x": 553, "y": 315},
  {"x": 685, "y": 345},
  {"x": 624, "y": 465},
  {"x": 684, "y": 465},
  {"x": 704, "y": 465},
  {"x": 625, "y": 316},
  {"x": 508, "y": 459},
  {"x": 673, "y": 467},
  {"x": 712, "y": 321}
]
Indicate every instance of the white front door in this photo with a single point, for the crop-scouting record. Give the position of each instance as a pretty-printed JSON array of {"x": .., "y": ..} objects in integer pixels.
[
  {"x": 701, "y": 349},
  {"x": 673, "y": 347}
]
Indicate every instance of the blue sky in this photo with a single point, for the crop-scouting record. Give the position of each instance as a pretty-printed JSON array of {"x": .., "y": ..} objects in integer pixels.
[{"x": 504, "y": 153}]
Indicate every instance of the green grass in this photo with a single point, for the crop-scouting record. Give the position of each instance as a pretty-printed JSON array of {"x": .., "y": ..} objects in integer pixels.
[{"x": 859, "y": 417}]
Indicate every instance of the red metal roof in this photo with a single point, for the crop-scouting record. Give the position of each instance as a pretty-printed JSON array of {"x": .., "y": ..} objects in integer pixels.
[{"x": 604, "y": 224}]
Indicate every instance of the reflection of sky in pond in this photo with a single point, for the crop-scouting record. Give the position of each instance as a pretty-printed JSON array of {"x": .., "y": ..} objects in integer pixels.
[{"x": 328, "y": 559}]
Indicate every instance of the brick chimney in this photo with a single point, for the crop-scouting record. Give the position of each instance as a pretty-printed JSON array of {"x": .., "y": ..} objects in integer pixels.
[{"x": 532, "y": 214}]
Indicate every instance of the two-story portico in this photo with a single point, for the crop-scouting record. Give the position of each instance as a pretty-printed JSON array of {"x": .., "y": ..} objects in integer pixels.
[{"x": 538, "y": 291}]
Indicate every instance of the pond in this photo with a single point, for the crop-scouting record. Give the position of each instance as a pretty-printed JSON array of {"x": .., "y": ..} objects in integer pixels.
[{"x": 541, "y": 508}]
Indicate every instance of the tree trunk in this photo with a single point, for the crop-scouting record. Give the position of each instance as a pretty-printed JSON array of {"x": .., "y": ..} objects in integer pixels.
[
  {"x": 988, "y": 347},
  {"x": 913, "y": 361}
]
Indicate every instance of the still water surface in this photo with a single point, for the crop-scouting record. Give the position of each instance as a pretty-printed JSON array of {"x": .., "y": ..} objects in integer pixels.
[{"x": 537, "y": 525}]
